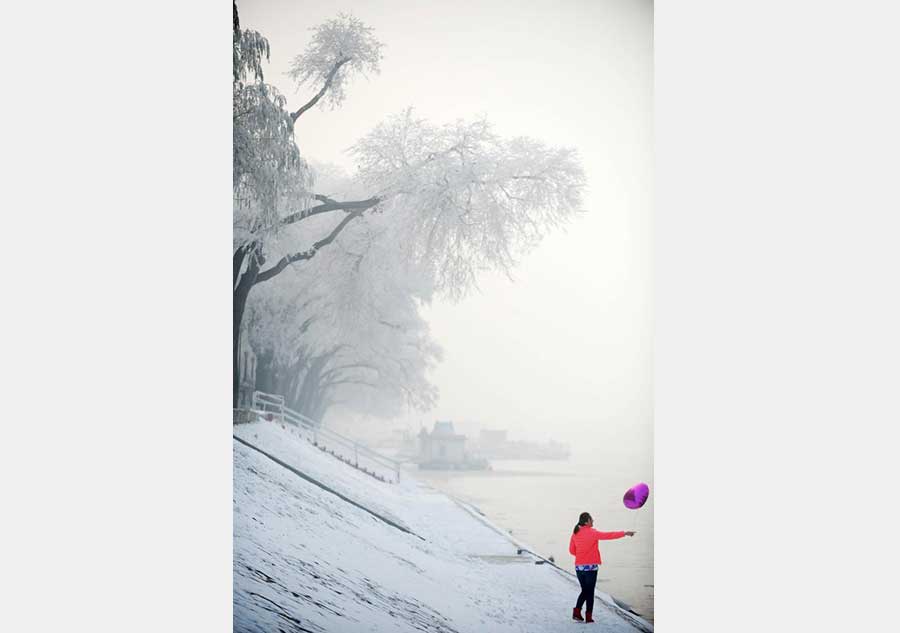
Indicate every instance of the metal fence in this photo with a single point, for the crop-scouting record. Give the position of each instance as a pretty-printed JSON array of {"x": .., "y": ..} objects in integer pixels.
[{"x": 349, "y": 450}]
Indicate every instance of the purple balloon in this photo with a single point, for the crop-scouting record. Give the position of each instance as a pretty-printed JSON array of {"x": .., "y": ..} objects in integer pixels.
[{"x": 636, "y": 496}]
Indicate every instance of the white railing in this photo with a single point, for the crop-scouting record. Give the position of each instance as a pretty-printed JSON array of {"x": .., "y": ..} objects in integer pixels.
[
  {"x": 268, "y": 403},
  {"x": 349, "y": 449}
]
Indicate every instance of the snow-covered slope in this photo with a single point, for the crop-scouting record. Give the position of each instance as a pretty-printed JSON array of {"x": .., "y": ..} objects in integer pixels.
[{"x": 307, "y": 560}]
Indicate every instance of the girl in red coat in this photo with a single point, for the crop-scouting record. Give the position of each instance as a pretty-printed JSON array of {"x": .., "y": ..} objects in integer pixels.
[{"x": 583, "y": 546}]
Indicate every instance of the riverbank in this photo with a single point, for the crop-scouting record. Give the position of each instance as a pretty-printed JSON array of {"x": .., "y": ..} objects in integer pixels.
[
  {"x": 512, "y": 492},
  {"x": 307, "y": 559}
]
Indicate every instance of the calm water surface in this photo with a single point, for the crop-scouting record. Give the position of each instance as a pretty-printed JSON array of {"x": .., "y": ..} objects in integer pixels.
[{"x": 540, "y": 502}]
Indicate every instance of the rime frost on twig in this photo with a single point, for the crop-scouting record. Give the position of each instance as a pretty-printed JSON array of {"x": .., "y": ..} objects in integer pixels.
[
  {"x": 343, "y": 42},
  {"x": 467, "y": 199}
]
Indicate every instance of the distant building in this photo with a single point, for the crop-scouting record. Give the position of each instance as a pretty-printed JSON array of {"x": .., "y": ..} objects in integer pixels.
[{"x": 443, "y": 446}]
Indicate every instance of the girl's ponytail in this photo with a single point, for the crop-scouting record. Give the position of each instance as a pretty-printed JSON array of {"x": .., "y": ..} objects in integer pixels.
[{"x": 583, "y": 519}]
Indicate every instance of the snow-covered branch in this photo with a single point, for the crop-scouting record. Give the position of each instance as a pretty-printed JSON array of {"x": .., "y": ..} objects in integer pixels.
[
  {"x": 339, "y": 48},
  {"x": 310, "y": 252},
  {"x": 328, "y": 81},
  {"x": 329, "y": 205},
  {"x": 466, "y": 199}
]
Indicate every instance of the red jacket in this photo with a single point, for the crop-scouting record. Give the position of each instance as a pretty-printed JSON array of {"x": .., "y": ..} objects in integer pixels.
[{"x": 583, "y": 545}]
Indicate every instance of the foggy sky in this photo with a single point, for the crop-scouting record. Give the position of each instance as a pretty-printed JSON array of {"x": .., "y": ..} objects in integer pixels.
[{"x": 565, "y": 349}]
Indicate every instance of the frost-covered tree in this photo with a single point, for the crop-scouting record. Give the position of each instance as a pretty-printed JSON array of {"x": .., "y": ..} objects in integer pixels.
[
  {"x": 464, "y": 199},
  {"x": 451, "y": 200},
  {"x": 272, "y": 184},
  {"x": 345, "y": 329},
  {"x": 339, "y": 49}
]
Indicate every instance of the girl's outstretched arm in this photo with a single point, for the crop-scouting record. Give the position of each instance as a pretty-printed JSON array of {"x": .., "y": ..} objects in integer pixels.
[{"x": 609, "y": 536}]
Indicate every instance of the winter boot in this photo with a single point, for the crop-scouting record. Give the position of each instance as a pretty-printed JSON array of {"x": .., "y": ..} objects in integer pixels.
[
  {"x": 589, "y": 618},
  {"x": 576, "y": 614}
]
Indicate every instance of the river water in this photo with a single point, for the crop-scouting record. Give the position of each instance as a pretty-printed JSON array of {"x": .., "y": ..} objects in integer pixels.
[{"x": 540, "y": 502}]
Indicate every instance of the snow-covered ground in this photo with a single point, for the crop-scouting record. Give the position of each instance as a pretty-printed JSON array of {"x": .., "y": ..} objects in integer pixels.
[{"x": 307, "y": 560}]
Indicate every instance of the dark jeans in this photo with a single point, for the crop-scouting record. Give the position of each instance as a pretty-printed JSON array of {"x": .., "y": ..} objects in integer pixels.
[{"x": 588, "y": 580}]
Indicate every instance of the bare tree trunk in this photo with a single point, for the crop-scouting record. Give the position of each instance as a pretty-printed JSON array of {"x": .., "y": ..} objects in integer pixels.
[
  {"x": 241, "y": 292},
  {"x": 265, "y": 367},
  {"x": 293, "y": 391},
  {"x": 284, "y": 381},
  {"x": 312, "y": 385}
]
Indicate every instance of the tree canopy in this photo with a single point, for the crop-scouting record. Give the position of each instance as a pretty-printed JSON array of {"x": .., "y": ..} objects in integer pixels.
[{"x": 339, "y": 264}]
